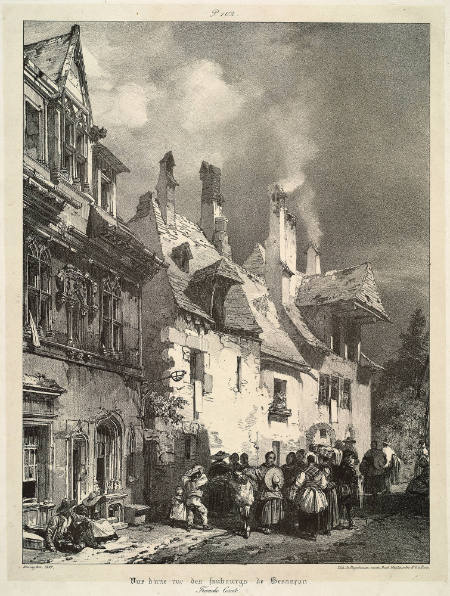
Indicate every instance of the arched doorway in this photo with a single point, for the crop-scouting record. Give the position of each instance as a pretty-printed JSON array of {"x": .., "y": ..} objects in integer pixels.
[
  {"x": 320, "y": 433},
  {"x": 108, "y": 454}
]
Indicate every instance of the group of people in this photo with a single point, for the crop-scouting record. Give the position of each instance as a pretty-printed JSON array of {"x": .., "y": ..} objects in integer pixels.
[{"x": 314, "y": 492}]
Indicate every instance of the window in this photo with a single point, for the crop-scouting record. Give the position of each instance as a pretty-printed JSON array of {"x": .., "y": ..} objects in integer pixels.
[
  {"x": 324, "y": 390},
  {"x": 336, "y": 336},
  {"x": 276, "y": 448},
  {"x": 218, "y": 311},
  {"x": 187, "y": 446},
  {"x": 334, "y": 388},
  {"x": 38, "y": 285},
  {"x": 182, "y": 255},
  {"x": 346, "y": 402},
  {"x": 106, "y": 202},
  {"x": 279, "y": 393},
  {"x": 352, "y": 341},
  {"x": 238, "y": 373},
  {"x": 131, "y": 459},
  {"x": 323, "y": 433},
  {"x": 111, "y": 334},
  {"x": 196, "y": 366},
  {"x": 32, "y": 141},
  {"x": 75, "y": 142},
  {"x": 35, "y": 462},
  {"x": 108, "y": 455}
]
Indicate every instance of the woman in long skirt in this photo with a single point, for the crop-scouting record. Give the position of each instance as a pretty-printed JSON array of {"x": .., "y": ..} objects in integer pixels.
[{"x": 311, "y": 500}]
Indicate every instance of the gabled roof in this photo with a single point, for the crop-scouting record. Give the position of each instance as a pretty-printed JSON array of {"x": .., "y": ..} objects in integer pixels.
[
  {"x": 54, "y": 56},
  {"x": 49, "y": 54},
  {"x": 355, "y": 284}
]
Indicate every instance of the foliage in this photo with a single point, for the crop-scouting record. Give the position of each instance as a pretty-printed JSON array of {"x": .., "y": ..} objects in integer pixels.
[
  {"x": 401, "y": 393},
  {"x": 165, "y": 407}
]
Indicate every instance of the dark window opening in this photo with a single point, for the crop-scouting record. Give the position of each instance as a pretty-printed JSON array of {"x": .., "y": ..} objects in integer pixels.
[
  {"x": 346, "y": 401},
  {"x": 323, "y": 433},
  {"x": 218, "y": 306},
  {"x": 324, "y": 389},
  {"x": 38, "y": 286},
  {"x": 188, "y": 447},
  {"x": 112, "y": 326},
  {"x": 239, "y": 373},
  {"x": 32, "y": 131},
  {"x": 35, "y": 462},
  {"x": 337, "y": 336}
]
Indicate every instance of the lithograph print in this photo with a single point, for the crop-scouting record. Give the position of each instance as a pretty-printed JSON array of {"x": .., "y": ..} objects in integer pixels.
[{"x": 225, "y": 292}]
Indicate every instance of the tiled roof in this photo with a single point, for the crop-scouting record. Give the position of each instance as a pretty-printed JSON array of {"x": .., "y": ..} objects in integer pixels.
[
  {"x": 276, "y": 341},
  {"x": 205, "y": 257},
  {"x": 49, "y": 54},
  {"x": 299, "y": 323},
  {"x": 179, "y": 282},
  {"x": 352, "y": 284},
  {"x": 248, "y": 306}
]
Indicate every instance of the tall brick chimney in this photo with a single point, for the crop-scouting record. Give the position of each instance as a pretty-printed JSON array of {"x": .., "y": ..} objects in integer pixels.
[
  {"x": 312, "y": 260},
  {"x": 212, "y": 220},
  {"x": 165, "y": 188}
]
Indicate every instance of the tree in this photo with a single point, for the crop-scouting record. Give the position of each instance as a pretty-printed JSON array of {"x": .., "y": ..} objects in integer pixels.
[{"x": 401, "y": 394}]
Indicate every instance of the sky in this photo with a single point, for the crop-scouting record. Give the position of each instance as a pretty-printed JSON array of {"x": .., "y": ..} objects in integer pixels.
[{"x": 336, "y": 113}]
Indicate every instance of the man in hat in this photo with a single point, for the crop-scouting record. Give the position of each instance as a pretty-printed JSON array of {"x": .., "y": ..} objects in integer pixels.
[
  {"x": 58, "y": 535},
  {"x": 372, "y": 468},
  {"x": 270, "y": 499},
  {"x": 350, "y": 445},
  {"x": 193, "y": 481}
]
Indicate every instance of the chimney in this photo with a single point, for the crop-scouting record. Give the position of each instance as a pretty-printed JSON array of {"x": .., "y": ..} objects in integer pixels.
[
  {"x": 281, "y": 247},
  {"x": 165, "y": 188},
  {"x": 212, "y": 221},
  {"x": 312, "y": 260}
]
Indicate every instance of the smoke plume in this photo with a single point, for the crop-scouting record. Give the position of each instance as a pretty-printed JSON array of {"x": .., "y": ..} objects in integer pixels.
[{"x": 302, "y": 196}]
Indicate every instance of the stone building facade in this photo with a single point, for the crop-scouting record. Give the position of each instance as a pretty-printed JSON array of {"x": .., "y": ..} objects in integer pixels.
[
  {"x": 265, "y": 370},
  {"x": 83, "y": 272}
]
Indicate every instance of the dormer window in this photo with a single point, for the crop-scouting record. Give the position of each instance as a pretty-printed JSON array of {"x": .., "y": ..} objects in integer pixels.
[
  {"x": 209, "y": 288},
  {"x": 105, "y": 169},
  {"x": 182, "y": 255}
]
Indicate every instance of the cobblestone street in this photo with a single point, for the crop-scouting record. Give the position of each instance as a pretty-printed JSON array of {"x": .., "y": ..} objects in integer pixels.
[{"x": 397, "y": 535}]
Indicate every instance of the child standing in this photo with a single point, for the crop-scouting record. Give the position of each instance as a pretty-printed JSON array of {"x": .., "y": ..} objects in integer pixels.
[{"x": 177, "y": 508}]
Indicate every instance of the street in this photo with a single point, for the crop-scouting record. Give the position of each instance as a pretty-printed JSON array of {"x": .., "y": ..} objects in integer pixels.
[{"x": 394, "y": 536}]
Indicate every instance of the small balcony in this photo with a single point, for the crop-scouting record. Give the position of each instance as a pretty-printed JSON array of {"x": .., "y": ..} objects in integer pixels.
[{"x": 278, "y": 410}]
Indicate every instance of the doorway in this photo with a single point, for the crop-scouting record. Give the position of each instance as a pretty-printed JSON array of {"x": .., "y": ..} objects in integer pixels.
[{"x": 79, "y": 471}]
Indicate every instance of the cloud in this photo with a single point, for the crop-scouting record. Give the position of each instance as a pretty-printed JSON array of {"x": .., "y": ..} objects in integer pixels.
[{"x": 206, "y": 99}]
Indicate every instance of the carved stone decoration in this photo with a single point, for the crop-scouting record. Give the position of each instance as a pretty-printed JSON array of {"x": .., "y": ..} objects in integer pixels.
[
  {"x": 72, "y": 287},
  {"x": 96, "y": 133}
]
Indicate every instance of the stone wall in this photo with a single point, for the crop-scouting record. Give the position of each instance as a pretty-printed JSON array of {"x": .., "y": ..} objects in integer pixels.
[{"x": 90, "y": 395}]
